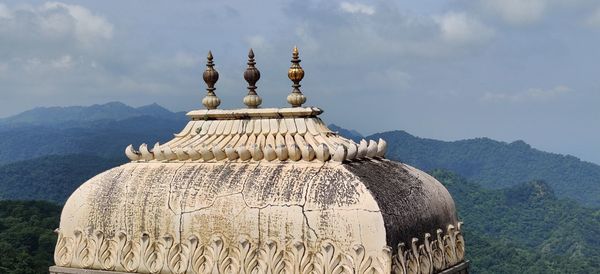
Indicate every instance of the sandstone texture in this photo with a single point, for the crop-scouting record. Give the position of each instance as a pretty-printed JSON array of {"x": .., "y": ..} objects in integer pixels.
[{"x": 260, "y": 191}]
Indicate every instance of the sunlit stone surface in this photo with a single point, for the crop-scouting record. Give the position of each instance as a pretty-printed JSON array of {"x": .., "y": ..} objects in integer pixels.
[{"x": 260, "y": 191}]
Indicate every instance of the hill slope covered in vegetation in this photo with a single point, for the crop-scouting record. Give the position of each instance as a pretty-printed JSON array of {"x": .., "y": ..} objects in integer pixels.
[
  {"x": 524, "y": 228},
  {"x": 105, "y": 130},
  {"x": 495, "y": 164},
  {"x": 26, "y": 236},
  {"x": 105, "y": 138},
  {"x": 510, "y": 226},
  {"x": 51, "y": 178}
]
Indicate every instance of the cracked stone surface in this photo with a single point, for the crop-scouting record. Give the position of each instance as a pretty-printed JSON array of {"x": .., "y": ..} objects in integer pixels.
[{"x": 375, "y": 202}]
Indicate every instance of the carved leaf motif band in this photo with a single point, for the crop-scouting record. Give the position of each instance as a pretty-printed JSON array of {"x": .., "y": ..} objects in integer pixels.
[{"x": 146, "y": 254}]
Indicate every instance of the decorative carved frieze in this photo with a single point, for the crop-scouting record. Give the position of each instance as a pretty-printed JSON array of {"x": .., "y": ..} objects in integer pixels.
[
  {"x": 432, "y": 256},
  {"x": 89, "y": 249}
]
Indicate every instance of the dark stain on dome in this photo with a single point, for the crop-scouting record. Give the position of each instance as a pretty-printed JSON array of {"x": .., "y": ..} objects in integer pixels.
[
  {"x": 410, "y": 206},
  {"x": 336, "y": 189}
]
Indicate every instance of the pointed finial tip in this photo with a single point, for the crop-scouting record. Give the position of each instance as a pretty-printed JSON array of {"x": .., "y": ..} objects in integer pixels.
[
  {"x": 210, "y": 76},
  {"x": 252, "y": 75},
  {"x": 296, "y": 73}
]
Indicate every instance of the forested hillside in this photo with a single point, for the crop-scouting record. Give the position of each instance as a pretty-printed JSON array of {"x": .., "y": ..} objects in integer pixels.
[
  {"x": 524, "y": 228},
  {"x": 26, "y": 236},
  {"x": 96, "y": 130},
  {"x": 50, "y": 178},
  {"x": 512, "y": 201},
  {"x": 496, "y": 164},
  {"x": 348, "y": 133}
]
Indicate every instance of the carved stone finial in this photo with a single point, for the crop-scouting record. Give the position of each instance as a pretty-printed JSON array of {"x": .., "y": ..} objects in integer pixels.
[
  {"x": 296, "y": 73},
  {"x": 252, "y": 75},
  {"x": 210, "y": 76}
]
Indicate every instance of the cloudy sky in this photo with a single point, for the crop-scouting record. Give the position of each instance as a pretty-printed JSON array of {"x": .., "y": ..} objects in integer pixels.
[{"x": 445, "y": 69}]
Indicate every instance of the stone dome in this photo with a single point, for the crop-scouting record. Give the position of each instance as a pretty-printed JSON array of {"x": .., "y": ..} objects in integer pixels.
[{"x": 260, "y": 191}]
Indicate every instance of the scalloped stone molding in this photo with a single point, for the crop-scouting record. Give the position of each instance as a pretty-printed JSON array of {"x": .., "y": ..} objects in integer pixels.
[
  {"x": 93, "y": 249},
  {"x": 257, "y": 135}
]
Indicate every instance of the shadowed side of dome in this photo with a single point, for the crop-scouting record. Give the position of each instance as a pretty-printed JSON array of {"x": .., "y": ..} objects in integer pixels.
[{"x": 412, "y": 202}]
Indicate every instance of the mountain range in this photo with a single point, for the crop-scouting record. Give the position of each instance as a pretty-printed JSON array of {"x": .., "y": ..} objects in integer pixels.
[
  {"x": 105, "y": 130},
  {"x": 78, "y": 115},
  {"x": 93, "y": 130},
  {"x": 495, "y": 164},
  {"x": 525, "y": 210}
]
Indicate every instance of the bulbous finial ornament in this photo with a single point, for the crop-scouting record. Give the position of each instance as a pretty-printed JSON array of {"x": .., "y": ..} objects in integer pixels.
[
  {"x": 296, "y": 73},
  {"x": 210, "y": 76},
  {"x": 252, "y": 75}
]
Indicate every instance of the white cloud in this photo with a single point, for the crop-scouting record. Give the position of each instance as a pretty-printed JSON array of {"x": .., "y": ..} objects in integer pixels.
[
  {"x": 594, "y": 19},
  {"x": 53, "y": 25},
  {"x": 88, "y": 27},
  {"x": 51, "y": 36},
  {"x": 391, "y": 33},
  {"x": 186, "y": 60},
  {"x": 5, "y": 13},
  {"x": 32, "y": 64},
  {"x": 257, "y": 41},
  {"x": 529, "y": 95},
  {"x": 45, "y": 65},
  {"x": 74, "y": 55},
  {"x": 180, "y": 60},
  {"x": 357, "y": 8},
  {"x": 3, "y": 67},
  {"x": 389, "y": 79},
  {"x": 517, "y": 12},
  {"x": 460, "y": 28},
  {"x": 63, "y": 62},
  {"x": 304, "y": 35}
]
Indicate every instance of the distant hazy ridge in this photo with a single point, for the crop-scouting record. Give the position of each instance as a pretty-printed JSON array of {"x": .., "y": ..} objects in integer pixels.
[
  {"x": 518, "y": 223},
  {"x": 105, "y": 130}
]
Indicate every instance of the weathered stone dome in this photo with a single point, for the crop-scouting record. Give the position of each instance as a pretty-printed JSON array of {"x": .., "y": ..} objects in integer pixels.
[{"x": 260, "y": 191}]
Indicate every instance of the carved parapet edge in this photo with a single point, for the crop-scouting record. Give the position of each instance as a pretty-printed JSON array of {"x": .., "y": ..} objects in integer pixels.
[
  {"x": 264, "y": 139},
  {"x": 93, "y": 249},
  {"x": 432, "y": 256}
]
